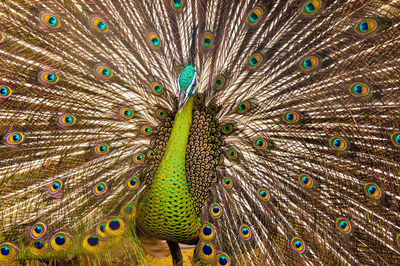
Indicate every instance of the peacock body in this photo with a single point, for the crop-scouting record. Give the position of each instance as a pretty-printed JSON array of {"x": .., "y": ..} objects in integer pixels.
[{"x": 258, "y": 132}]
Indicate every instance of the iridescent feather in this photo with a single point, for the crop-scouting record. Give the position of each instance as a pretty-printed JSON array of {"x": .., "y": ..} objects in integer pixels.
[{"x": 292, "y": 143}]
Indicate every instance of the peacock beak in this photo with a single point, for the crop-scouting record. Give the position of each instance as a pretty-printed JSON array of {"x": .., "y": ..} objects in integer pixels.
[{"x": 183, "y": 97}]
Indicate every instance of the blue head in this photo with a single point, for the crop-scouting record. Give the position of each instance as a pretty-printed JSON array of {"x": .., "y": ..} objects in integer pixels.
[{"x": 187, "y": 82}]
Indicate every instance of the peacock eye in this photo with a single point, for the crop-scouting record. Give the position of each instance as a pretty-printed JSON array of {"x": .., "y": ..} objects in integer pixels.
[
  {"x": 154, "y": 40},
  {"x": 100, "y": 188},
  {"x": 176, "y": 4},
  {"x": 48, "y": 77},
  {"x": 255, "y": 60},
  {"x": 311, "y": 7},
  {"x": 55, "y": 187},
  {"x": 232, "y": 154},
  {"x": 373, "y": 191},
  {"x": 395, "y": 138},
  {"x": 263, "y": 194},
  {"x": 298, "y": 245},
  {"x": 215, "y": 210},
  {"x": 146, "y": 130},
  {"x": 223, "y": 259},
  {"x": 38, "y": 247},
  {"x": 99, "y": 24},
  {"x": 245, "y": 232},
  {"x": 214, "y": 177},
  {"x": 219, "y": 82},
  {"x": 243, "y": 107},
  {"x": 338, "y": 143},
  {"x": 228, "y": 182},
  {"x": 227, "y": 129},
  {"x": 199, "y": 97},
  {"x": 115, "y": 226},
  {"x": 14, "y": 138},
  {"x": 100, "y": 230},
  {"x": 305, "y": 181},
  {"x": 132, "y": 183},
  {"x": 366, "y": 27},
  {"x": 50, "y": 20},
  {"x": 38, "y": 230},
  {"x": 61, "y": 241},
  {"x": 207, "y": 232},
  {"x": 138, "y": 158},
  {"x": 104, "y": 72},
  {"x": 309, "y": 63},
  {"x": 343, "y": 225},
  {"x": 7, "y": 251},
  {"x": 291, "y": 117},
  {"x": 208, "y": 40},
  {"x": 360, "y": 90},
  {"x": 5, "y": 92},
  {"x": 161, "y": 113},
  {"x": 260, "y": 143},
  {"x": 157, "y": 88},
  {"x": 207, "y": 251},
  {"x": 91, "y": 243},
  {"x": 66, "y": 120},
  {"x": 126, "y": 113},
  {"x": 255, "y": 15},
  {"x": 102, "y": 149}
]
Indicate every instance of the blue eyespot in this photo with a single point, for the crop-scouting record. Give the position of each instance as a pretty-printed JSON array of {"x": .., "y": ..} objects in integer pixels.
[
  {"x": 102, "y": 226},
  {"x": 114, "y": 224},
  {"x": 5, "y": 250},
  {"x": 215, "y": 210},
  {"x": 343, "y": 224},
  {"x": 308, "y": 63},
  {"x": 60, "y": 240},
  {"x": 52, "y": 21},
  {"x": 93, "y": 240},
  {"x": 338, "y": 143},
  {"x": 207, "y": 249},
  {"x": 38, "y": 244},
  {"x": 364, "y": 26},
  {"x": 371, "y": 189},
  {"x": 310, "y": 7},
  {"x": 223, "y": 260},
  {"x": 38, "y": 229},
  {"x": 207, "y": 230}
]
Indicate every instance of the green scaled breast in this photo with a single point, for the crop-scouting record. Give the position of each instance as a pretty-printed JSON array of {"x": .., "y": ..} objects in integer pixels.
[{"x": 166, "y": 210}]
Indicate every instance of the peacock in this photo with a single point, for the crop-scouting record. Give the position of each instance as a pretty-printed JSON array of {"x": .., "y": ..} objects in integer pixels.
[{"x": 246, "y": 132}]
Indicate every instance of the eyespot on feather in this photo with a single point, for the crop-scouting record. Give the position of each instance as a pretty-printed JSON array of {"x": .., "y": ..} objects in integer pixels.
[
  {"x": 99, "y": 24},
  {"x": 8, "y": 252},
  {"x": 37, "y": 231},
  {"x": 14, "y": 138},
  {"x": 5, "y": 91},
  {"x": 310, "y": 8},
  {"x": 61, "y": 241},
  {"x": 50, "y": 20}
]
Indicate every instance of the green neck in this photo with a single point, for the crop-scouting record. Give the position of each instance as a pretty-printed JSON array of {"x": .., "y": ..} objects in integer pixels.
[
  {"x": 178, "y": 139},
  {"x": 167, "y": 210}
]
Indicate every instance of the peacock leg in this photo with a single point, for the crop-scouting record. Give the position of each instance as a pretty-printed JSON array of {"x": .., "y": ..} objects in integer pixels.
[{"x": 176, "y": 253}]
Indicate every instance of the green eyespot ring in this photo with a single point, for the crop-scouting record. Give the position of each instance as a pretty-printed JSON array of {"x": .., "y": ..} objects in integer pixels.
[
  {"x": 310, "y": 8},
  {"x": 255, "y": 16}
]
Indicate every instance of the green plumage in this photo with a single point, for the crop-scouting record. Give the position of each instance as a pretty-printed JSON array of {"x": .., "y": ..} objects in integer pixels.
[{"x": 166, "y": 210}]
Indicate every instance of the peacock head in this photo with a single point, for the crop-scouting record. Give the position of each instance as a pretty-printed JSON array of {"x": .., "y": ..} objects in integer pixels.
[{"x": 188, "y": 82}]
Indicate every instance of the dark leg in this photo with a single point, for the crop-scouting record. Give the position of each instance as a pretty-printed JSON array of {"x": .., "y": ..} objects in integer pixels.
[{"x": 176, "y": 253}]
